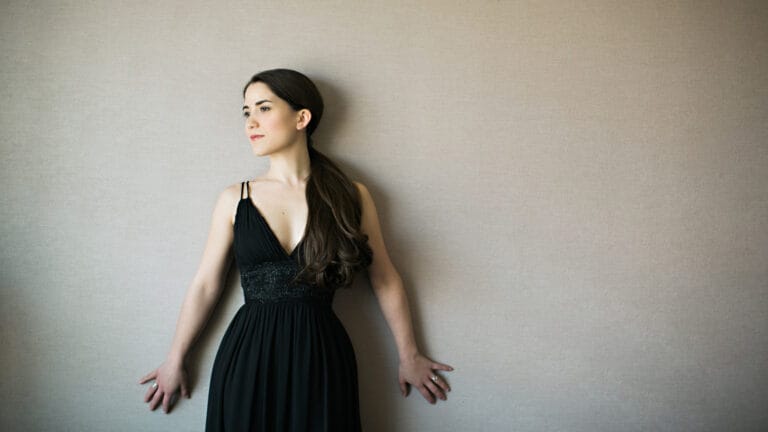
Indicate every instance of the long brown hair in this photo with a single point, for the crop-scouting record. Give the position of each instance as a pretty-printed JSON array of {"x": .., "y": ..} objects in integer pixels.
[{"x": 334, "y": 249}]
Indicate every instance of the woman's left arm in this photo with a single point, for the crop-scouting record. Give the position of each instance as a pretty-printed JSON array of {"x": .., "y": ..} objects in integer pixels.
[{"x": 415, "y": 369}]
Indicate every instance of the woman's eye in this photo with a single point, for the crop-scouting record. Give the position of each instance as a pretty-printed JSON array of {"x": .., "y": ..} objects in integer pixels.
[{"x": 262, "y": 109}]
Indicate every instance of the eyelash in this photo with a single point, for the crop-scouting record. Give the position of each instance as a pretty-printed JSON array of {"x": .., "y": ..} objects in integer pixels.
[{"x": 263, "y": 109}]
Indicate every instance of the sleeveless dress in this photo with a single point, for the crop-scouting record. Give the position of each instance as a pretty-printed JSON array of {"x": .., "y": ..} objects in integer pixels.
[{"x": 285, "y": 362}]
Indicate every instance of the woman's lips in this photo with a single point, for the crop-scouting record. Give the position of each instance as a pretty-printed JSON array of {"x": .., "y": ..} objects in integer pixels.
[{"x": 255, "y": 137}]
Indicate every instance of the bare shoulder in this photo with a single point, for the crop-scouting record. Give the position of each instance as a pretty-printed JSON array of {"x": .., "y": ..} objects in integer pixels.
[
  {"x": 230, "y": 194},
  {"x": 227, "y": 201},
  {"x": 233, "y": 191},
  {"x": 364, "y": 194},
  {"x": 367, "y": 204}
]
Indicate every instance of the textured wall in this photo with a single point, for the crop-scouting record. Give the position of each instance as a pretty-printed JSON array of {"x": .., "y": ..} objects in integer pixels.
[{"x": 575, "y": 193}]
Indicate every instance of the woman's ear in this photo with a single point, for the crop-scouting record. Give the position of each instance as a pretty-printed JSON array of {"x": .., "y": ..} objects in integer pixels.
[{"x": 304, "y": 118}]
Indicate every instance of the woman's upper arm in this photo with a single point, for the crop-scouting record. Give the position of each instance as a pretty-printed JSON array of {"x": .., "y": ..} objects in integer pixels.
[
  {"x": 381, "y": 271},
  {"x": 217, "y": 254}
]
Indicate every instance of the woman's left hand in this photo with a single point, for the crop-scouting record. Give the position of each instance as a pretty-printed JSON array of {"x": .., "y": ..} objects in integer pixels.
[{"x": 417, "y": 371}]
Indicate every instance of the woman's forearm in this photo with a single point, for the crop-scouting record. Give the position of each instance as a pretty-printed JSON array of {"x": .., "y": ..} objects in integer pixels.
[
  {"x": 195, "y": 311},
  {"x": 393, "y": 301}
]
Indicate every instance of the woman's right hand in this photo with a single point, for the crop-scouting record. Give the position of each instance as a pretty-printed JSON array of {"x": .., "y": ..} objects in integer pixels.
[{"x": 170, "y": 377}]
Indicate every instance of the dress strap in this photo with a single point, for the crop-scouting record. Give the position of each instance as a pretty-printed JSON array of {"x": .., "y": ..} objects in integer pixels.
[{"x": 242, "y": 186}]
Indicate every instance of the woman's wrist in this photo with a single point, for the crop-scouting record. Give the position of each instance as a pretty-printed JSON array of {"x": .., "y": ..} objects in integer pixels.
[
  {"x": 175, "y": 359},
  {"x": 409, "y": 355}
]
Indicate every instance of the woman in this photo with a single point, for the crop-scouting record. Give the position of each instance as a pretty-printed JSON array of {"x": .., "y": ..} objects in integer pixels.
[{"x": 297, "y": 233}]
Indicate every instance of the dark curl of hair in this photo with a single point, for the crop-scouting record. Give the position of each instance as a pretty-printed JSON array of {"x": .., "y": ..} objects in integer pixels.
[{"x": 334, "y": 248}]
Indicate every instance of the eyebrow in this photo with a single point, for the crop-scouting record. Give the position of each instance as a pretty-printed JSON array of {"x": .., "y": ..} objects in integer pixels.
[{"x": 258, "y": 103}]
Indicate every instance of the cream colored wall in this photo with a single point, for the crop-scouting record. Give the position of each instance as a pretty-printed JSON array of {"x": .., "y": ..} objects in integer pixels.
[{"x": 575, "y": 193}]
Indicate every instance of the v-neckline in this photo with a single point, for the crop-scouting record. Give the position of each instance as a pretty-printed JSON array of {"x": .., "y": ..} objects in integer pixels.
[{"x": 272, "y": 232}]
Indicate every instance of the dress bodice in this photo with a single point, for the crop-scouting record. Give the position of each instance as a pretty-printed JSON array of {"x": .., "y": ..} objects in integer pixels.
[{"x": 266, "y": 269}]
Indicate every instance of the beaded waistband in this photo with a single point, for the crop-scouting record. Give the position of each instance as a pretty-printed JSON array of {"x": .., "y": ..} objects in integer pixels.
[{"x": 270, "y": 281}]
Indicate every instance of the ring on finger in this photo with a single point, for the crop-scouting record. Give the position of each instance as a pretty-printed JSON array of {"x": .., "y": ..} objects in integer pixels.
[
  {"x": 154, "y": 384},
  {"x": 433, "y": 378}
]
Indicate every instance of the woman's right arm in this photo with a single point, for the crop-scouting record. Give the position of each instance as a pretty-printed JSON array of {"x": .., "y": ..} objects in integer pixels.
[{"x": 201, "y": 297}]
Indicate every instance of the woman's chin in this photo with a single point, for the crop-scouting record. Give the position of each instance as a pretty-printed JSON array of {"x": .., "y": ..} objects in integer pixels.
[{"x": 260, "y": 151}]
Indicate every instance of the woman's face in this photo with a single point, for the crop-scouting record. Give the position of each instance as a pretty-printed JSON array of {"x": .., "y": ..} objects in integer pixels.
[{"x": 270, "y": 123}]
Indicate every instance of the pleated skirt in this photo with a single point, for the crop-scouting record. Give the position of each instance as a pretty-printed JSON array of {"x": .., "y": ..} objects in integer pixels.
[{"x": 285, "y": 366}]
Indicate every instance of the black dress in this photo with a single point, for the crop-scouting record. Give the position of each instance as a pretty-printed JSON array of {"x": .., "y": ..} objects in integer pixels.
[{"x": 286, "y": 362}]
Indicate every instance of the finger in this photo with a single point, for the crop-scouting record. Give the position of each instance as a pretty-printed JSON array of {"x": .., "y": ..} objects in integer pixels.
[
  {"x": 442, "y": 383},
  {"x": 185, "y": 390},
  {"x": 156, "y": 400},
  {"x": 150, "y": 391},
  {"x": 435, "y": 390},
  {"x": 427, "y": 395},
  {"x": 403, "y": 390},
  {"x": 166, "y": 402},
  {"x": 149, "y": 376},
  {"x": 441, "y": 366}
]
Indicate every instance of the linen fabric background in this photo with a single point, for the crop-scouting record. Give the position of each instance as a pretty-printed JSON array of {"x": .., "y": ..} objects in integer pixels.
[{"x": 575, "y": 194}]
